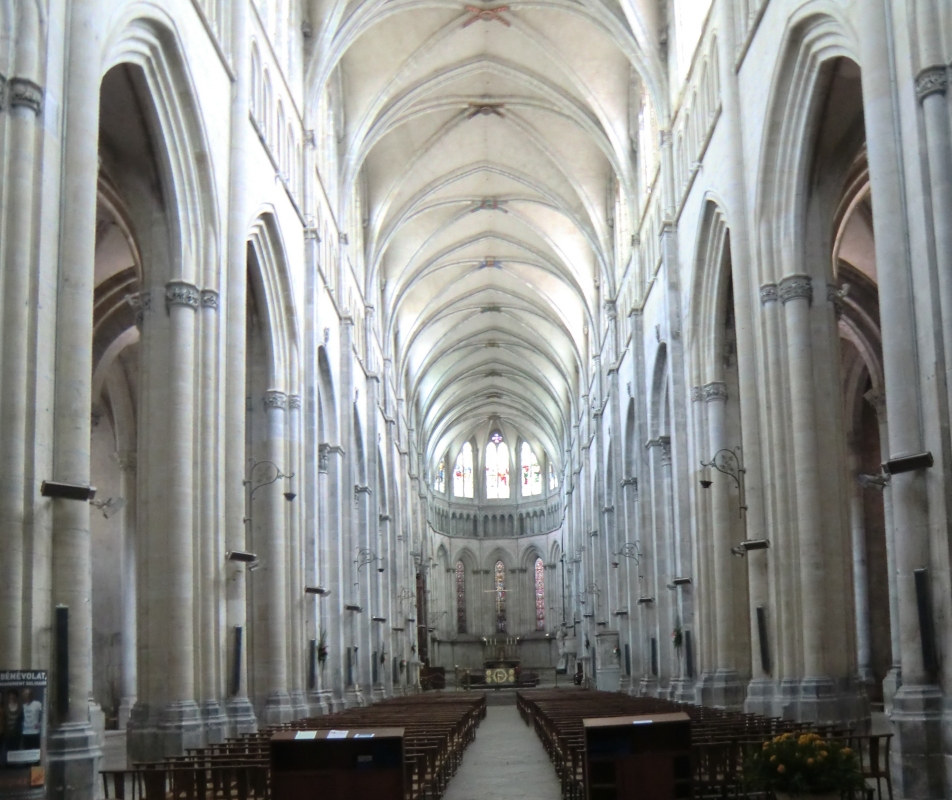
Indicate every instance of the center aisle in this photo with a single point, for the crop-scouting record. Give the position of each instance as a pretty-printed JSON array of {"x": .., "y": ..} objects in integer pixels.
[{"x": 506, "y": 761}]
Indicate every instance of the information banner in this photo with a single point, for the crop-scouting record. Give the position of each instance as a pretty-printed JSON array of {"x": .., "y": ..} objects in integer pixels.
[{"x": 22, "y": 728}]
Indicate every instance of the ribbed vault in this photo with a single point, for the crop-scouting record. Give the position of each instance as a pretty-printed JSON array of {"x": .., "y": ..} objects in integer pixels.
[{"x": 488, "y": 151}]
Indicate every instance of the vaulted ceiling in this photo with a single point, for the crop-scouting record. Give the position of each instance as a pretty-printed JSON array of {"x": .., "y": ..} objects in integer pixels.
[{"x": 485, "y": 145}]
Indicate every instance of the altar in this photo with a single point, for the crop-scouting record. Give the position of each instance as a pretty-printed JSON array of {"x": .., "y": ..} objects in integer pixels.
[{"x": 501, "y": 661}]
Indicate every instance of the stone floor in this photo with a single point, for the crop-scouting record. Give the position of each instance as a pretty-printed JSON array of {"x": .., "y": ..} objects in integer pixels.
[{"x": 506, "y": 761}]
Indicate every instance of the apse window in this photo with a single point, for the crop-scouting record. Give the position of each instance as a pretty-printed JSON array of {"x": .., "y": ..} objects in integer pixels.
[
  {"x": 497, "y": 468},
  {"x": 439, "y": 482},
  {"x": 531, "y": 472},
  {"x": 553, "y": 481},
  {"x": 463, "y": 472}
]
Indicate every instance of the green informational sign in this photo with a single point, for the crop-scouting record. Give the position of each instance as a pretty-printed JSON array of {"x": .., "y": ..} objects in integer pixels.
[{"x": 22, "y": 729}]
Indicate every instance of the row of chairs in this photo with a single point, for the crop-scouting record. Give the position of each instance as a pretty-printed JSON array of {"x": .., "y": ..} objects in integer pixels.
[
  {"x": 721, "y": 741},
  {"x": 437, "y": 729}
]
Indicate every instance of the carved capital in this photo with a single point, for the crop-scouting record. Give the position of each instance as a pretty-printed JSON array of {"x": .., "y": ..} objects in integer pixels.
[
  {"x": 322, "y": 457},
  {"x": 716, "y": 390},
  {"x": 141, "y": 302},
  {"x": 697, "y": 393},
  {"x": 294, "y": 401},
  {"x": 25, "y": 93},
  {"x": 878, "y": 401},
  {"x": 768, "y": 293},
  {"x": 931, "y": 80},
  {"x": 210, "y": 299},
  {"x": 665, "y": 442},
  {"x": 837, "y": 296},
  {"x": 275, "y": 399},
  {"x": 796, "y": 287},
  {"x": 180, "y": 293},
  {"x": 126, "y": 459}
]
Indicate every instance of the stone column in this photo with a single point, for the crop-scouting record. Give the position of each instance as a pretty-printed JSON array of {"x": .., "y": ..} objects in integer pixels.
[
  {"x": 917, "y": 706},
  {"x": 296, "y": 561},
  {"x": 211, "y": 558},
  {"x": 331, "y": 459},
  {"x": 19, "y": 267},
  {"x": 320, "y": 698},
  {"x": 240, "y": 712},
  {"x": 271, "y": 579},
  {"x": 73, "y": 751},
  {"x": 127, "y": 619},
  {"x": 726, "y": 689},
  {"x": 860, "y": 572},
  {"x": 893, "y": 678},
  {"x": 817, "y": 691}
]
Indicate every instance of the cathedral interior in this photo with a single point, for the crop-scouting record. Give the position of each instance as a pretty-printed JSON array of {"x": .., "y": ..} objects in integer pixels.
[{"x": 352, "y": 350}]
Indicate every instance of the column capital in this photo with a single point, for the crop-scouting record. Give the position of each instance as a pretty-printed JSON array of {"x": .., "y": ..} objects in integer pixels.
[
  {"x": 141, "y": 303},
  {"x": 796, "y": 287},
  {"x": 126, "y": 459},
  {"x": 931, "y": 80},
  {"x": 768, "y": 293},
  {"x": 275, "y": 399},
  {"x": 25, "y": 93},
  {"x": 716, "y": 390},
  {"x": 878, "y": 401},
  {"x": 181, "y": 293},
  {"x": 697, "y": 394},
  {"x": 210, "y": 299},
  {"x": 665, "y": 442},
  {"x": 294, "y": 401}
]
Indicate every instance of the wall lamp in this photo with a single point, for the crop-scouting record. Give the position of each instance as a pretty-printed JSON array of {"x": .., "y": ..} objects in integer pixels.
[
  {"x": 109, "y": 507},
  {"x": 747, "y": 545},
  {"x": 318, "y": 590},
  {"x": 251, "y": 559},
  {"x": 730, "y": 462},
  {"x": 630, "y": 550},
  {"x": 67, "y": 491}
]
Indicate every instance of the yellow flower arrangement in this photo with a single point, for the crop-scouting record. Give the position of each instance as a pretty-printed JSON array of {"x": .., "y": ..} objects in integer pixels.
[{"x": 803, "y": 763}]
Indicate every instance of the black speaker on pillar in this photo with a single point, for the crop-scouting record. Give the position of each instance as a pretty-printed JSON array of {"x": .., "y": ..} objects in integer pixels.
[
  {"x": 926, "y": 629},
  {"x": 236, "y": 664},
  {"x": 654, "y": 656},
  {"x": 764, "y": 641},
  {"x": 312, "y": 664},
  {"x": 62, "y": 662},
  {"x": 688, "y": 654},
  {"x": 628, "y": 660}
]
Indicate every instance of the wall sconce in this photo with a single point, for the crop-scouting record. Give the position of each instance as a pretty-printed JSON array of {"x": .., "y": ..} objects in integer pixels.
[
  {"x": 644, "y": 601},
  {"x": 67, "y": 491},
  {"x": 318, "y": 590},
  {"x": 251, "y": 559},
  {"x": 354, "y": 607},
  {"x": 730, "y": 462},
  {"x": 630, "y": 550},
  {"x": 109, "y": 507},
  {"x": 742, "y": 549}
]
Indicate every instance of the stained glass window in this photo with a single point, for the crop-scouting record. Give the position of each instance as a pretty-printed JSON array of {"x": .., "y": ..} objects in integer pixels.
[
  {"x": 500, "y": 597},
  {"x": 439, "y": 483},
  {"x": 460, "y": 598},
  {"x": 463, "y": 472},
  {"x": 540, "y": 594},
  {"x": 553, "y": 481},
  {"x": 531, "y": 472},
  {"x": 497, "y": 468}
]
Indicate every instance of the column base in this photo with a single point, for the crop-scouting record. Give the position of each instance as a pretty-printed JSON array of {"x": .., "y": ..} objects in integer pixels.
[
  {"x": 157, "y": 733},
  {"x": 241, "y": 716},
  {"x": 378, "y": 693},
  {"x": 299, "y": 706},
  {"x": 917, "y": 752},
  {"x": 648, "y": 687},
  {"x": 277, "y": 709},
  {"x": 624, "y": 685},
  {"x": 214, "y": 721},
  {"x": 722, "y": 689},
  {"x": 786, "y": 704},
  {"x": 125, "y": 711},
  {"x": 682, "y": 690},
  {"x": 319, "y": 703},
  {"x": 353, "y": 697},
  {"x": 824, "y": 700},
  {"x": 73, "y": 759},
  {"x": 891, "y": 684},
  {"x": 761, "y": 697}
]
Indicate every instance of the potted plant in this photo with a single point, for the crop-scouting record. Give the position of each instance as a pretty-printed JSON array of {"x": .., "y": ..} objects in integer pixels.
[{"x": 805, "y": 765}]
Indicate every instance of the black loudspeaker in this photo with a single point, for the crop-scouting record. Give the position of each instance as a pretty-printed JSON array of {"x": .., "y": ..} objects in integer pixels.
[
  {"x": 764, "y": 641},
  {"x": 236, "y": 663},
  {"x": 628, "y": 660},
  {"x": 312, "y": 665},
  {"x": 350, "y": 667},
  {"x": 654, "y": 656},
  {"x": 688, "y": 654},
  {"x": 926, "y": 629},
  {"x": 62, "y": 662},
  {"x": 373, "y": 668}
]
